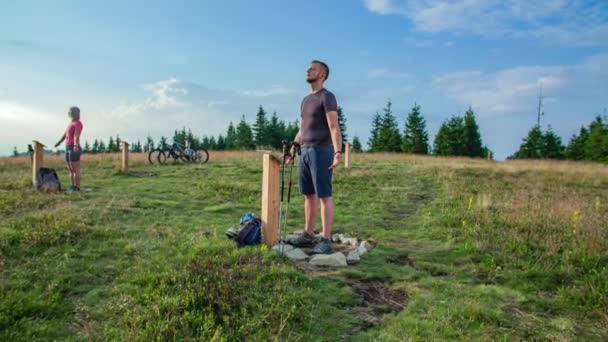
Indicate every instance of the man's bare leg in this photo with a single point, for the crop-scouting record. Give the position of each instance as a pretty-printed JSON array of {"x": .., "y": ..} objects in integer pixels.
[
  {"x": 310, "y": 212},
  {"x": 327, "y": 216}
]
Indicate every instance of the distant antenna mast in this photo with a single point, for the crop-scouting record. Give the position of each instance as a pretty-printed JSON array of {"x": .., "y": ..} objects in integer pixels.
[{"x": 540, "y": 105}]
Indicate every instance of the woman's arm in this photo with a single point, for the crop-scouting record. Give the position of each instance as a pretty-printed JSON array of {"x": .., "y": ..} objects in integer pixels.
[
  {"x": 77, "y": 132},
  {"x": 60, "y": 140}
]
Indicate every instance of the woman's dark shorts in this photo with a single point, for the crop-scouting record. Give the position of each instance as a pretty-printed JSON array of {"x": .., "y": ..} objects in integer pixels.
[
  {"x": 314, "y": 175},
  {"x": 70, "y": 155}
]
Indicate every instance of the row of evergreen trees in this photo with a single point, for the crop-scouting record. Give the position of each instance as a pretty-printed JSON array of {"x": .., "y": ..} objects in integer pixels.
[
  {"x": 590, "y": 144},
  {"x": 457, "y": 136},
  {"x": 265, "y": 132}
]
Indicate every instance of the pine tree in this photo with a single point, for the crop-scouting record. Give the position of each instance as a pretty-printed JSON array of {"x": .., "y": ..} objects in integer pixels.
[
  {"x": 276, "y": 131},
  {"x": 441, "y": 145},
  {"x": 474, "y": 147},
  {"x": 596, "y": 144},
  {"x": 149, "y": 146},
  {"x": 342, "y": 125},
  {"x": 117, "y": 141},
  {"x": 415, "y": 138},
  {"x": 205, "y": 142},
  {"x": 111, "y": 144},
  {"x": 87, "y": 147},
  {"x": 554, "y": 149},
  {"x": 162, "y": 144},
  {"x": 451, "y": 138},
  {"x": 356, "y": 144},
  {"x": 389, "y": 138},
  {"x": 101, "y": 148},
  {"x": 15, "y": 152},
  {"x": 230, "y": 137},
  {"x": 576, "y": 146},
  {"x": 221, "y": 143},
  {"x": 373, "y": 142},
  {"x": 212, "y": 143},
  {"x": 95, "y": 147},
  {"x": 244, "y": 135},
  {"x": 260, "y": 128},
  {"x": 533, "y": 145},
  {"x": 457, "y": 136}
]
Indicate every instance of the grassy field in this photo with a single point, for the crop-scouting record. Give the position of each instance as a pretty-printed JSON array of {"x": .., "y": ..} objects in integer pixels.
[{"x": 467, "y": 250}]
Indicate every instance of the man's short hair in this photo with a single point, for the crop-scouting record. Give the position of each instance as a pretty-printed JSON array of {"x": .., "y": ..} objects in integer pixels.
[{"x": 324, "y": 66}]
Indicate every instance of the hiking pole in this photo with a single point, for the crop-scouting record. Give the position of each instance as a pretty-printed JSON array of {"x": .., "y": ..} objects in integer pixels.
[
  {"x": 297, "y": 152},
  {"x": 285, "y": 153}
]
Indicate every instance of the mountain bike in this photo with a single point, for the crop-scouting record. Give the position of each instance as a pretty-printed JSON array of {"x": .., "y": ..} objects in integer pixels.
[{"x": 178, "y": 152}]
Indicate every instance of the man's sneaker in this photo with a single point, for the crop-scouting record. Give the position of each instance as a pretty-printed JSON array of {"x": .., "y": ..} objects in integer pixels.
[
  {"x": 304, "y": 240},
  {"x": 323, "y": 247}
]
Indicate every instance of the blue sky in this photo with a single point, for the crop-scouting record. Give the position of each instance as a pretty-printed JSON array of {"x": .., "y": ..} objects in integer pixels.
[{"x": 147, "y": 67}]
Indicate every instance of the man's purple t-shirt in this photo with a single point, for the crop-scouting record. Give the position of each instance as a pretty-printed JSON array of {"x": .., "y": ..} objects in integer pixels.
[{"x": 314, "y": 128}]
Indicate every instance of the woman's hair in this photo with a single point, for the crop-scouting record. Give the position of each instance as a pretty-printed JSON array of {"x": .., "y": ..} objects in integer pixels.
[{"x": 74, "y": 113}]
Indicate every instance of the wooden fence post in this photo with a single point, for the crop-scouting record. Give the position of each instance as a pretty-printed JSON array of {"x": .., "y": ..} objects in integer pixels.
[
  {"x": 347, "y": 156},
  {"x": 270, "y": 199},
  {"x": 125, "y": 157},
  {"x": 489, "y": 155},
  {"x": 37, "y": 161}
]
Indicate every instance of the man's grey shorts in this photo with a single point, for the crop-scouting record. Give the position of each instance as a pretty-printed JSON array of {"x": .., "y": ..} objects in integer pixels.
[
  {"x": 314, "y": 175},
  {"x": 70, "y": 155}
]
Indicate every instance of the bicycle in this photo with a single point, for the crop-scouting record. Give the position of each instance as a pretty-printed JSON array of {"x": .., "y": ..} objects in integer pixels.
[{"x": 178, "y": 152}]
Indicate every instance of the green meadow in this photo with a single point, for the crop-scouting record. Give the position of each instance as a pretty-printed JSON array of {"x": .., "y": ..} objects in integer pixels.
[{"x": 466, "y": 250}]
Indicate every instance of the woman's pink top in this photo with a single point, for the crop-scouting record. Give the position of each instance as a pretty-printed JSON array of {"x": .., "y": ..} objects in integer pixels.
[{"x": 70, "y": 132}]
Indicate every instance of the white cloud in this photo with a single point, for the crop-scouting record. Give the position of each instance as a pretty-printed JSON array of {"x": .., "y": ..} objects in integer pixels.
[
  {"x": 164, "y": 93},
  {"x": 272, "y": 91},
  {"x": 515, "y": 89},
  {"x": 572, "y": 22},
  {"x": 22, "y": 123}
]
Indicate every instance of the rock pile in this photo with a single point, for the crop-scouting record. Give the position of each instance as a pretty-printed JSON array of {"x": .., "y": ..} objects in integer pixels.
[{"x": 348, "y": 250}]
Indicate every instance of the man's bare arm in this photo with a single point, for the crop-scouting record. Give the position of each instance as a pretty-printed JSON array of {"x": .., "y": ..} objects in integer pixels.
[{"x": 336, "y": 136}]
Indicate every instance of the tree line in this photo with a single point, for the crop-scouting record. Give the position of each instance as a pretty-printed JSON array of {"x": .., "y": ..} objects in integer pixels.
[
  {"x": 266, "y": 132},
  {"x": 591, "y": 144},
  {"x": 457, "y": 136}
]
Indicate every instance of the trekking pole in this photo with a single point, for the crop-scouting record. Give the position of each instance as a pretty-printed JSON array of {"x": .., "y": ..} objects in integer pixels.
[
  {"x": 285, "y": 154},
  {"x": 297, "y": 152}
]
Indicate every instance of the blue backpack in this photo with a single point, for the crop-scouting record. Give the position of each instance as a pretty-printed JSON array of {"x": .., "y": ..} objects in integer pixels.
[{"x": 250, "y": 232}]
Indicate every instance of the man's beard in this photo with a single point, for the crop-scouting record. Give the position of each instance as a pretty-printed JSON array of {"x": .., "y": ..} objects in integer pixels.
[{"x": 311, "y": 79}]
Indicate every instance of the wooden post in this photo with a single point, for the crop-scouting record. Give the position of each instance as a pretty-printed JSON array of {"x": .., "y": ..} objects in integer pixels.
[
  {"x": 347, "y": 156},
  {"x": 489, "y": 155},
  {"x": 125, "y": 157},
  {"x": 270, "y": 199},
  {"x": 37, "y": 161}
]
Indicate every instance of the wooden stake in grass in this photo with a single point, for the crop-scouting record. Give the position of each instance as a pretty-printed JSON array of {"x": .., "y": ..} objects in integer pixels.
[
  {"x": 125, "y": 157},
  {"x": 347, "y": 156},
  {"x": 489, "y": 155},
  {"x": 37, "y": 162},
  {"x": 270, "y": 199}
]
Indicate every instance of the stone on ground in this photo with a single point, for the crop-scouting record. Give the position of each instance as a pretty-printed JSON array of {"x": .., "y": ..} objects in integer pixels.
[
  {"x": 296, "y": 254},
  {"x": 337, "y": 260},
  {"x": 286, "y": 248},
  {"x": 353, "y": 257}
]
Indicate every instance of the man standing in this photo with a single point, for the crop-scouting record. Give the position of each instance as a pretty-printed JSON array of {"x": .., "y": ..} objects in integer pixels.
[{"x": 320, "y": 140}]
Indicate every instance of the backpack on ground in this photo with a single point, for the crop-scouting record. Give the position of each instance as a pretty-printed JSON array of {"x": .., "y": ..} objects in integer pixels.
[
  {"x": 249, "y": 232},
  {"x": 48, "y": 181}
]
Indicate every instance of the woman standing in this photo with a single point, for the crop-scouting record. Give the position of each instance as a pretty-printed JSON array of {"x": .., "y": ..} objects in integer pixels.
[{"x": 72, "y": 147}]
